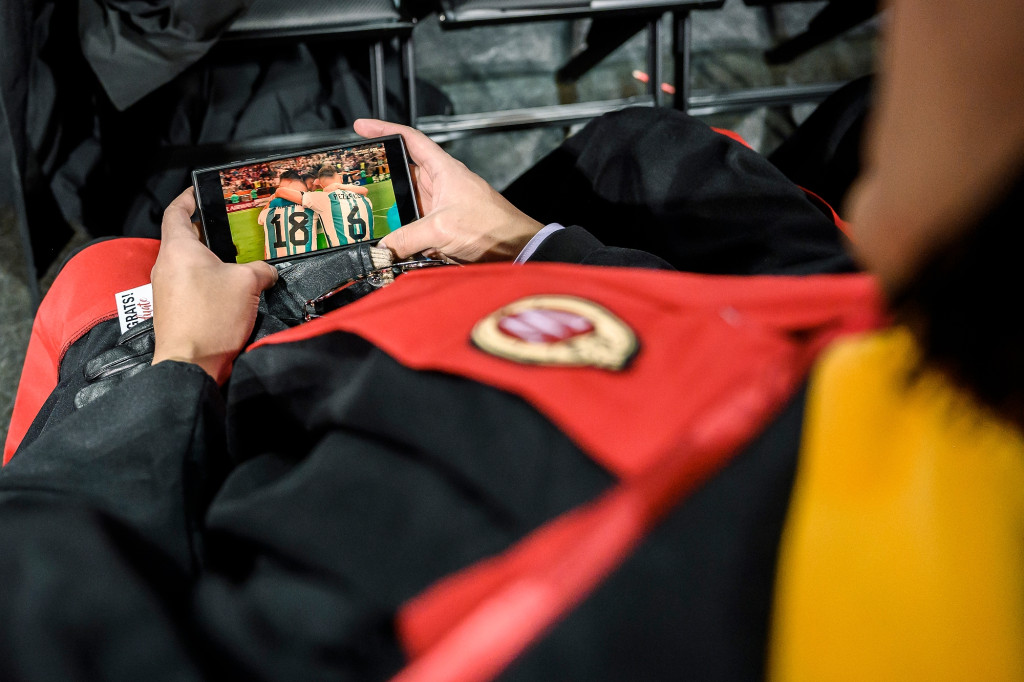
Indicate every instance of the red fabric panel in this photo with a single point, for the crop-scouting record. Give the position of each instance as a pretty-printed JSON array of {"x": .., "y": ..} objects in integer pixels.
[
  {"x": 470, "y": 626},
  {"x": 734, "y": 135},
  {"x": 690, "y": 327},
  {"x": 843, "y": 226},
  {"x": 81, "y": 297},
  {"x": 718, "y": 357}
]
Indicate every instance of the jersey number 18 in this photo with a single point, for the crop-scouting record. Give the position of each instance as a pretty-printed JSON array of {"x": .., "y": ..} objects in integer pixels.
[{"x": 298, "y": 229}]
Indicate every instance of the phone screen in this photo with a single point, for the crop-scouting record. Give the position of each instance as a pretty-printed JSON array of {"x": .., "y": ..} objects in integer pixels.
[{"x": 289, "y": 206}]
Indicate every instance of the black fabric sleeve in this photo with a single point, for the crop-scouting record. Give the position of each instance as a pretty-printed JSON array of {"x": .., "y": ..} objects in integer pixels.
[
  {"x": 83, "y": 598},
  {"x": 148, "y": 454},
  {"x": 576, "y": 245},
  {"x": 99, "y": 525},
  {"x": 660, "y": 181}
]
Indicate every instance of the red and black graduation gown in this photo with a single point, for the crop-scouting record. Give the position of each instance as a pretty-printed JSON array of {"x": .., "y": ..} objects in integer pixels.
[
  {"x": 373, "y": 491},
  {"x": 291, "y": 525}
]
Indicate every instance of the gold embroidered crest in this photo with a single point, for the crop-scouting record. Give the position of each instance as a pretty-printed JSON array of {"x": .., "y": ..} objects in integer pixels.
[{"x": 557, "y": 330}]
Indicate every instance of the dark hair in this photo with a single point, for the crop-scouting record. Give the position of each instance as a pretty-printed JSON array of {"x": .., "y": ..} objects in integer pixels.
[
  {"x": 307, "y": 176},
  {"x": 328, "y": 171},
  {"x": 290, "y": 175},
  {"x": 962, "y": 307}
]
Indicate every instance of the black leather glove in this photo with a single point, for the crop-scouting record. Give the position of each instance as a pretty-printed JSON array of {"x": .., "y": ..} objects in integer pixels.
[
  {"x": 314, "y": 286},
  {"x": 306, "y": 278},
  {"x": 132, "y": 354}
]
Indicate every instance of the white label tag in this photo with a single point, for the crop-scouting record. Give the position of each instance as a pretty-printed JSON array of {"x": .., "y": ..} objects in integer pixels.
[{"x": 134, "y": 306}]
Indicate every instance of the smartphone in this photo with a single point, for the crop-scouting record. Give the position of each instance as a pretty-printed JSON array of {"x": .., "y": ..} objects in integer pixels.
[{"x": 289, "y": 206}]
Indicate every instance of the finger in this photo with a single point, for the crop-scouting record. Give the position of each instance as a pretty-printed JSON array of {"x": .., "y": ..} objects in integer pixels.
[
  {"x": 186, "y": 200},
  {"x": 422, "y": 149},
  {"x": 177, "y": 221},
  {"x": 421, "y": 189},
  {"x": 415, "y": 237},
  {"x": 266, "y": 274}
]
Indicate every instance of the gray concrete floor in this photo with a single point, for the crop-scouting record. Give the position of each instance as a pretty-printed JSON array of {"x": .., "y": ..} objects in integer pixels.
[
  {"x": 15, "y": 318},
  {"x": 16, "y": 309},
  {"x": 502, "y": 67}
]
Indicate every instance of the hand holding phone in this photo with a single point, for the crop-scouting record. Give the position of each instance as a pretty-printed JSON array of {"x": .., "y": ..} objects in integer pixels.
[
  {"x": 204, "y": 309},
  {"x": 465, "y": 218}
]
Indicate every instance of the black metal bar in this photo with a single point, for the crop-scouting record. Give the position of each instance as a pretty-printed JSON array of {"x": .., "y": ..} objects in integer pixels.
[
  {"x": 654, "y": 68},
  {"x": 681, "y": 51},
  {"x": 455, "y": 18},
  {"x": 378, "y": 96},
  {"x": 443, "y": 128},
  {"x": 775, "y": 96},
  {"x": 409, "y": 60},
  {"x": 319, "y": 31}
]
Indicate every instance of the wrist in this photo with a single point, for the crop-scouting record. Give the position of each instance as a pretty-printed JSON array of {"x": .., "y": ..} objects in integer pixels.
[
  {"x": 517, "y": 237},
  {"x": 218, "y": 367}
]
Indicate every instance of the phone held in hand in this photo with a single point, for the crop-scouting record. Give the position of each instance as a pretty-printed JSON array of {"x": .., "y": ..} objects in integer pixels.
[{"x": 289, "y": 206}]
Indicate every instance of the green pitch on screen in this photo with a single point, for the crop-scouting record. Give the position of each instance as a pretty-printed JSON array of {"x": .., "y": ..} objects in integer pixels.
[{"x": 247, "y": 233}]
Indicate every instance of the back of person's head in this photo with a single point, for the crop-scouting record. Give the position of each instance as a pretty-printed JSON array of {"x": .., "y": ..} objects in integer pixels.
[
  {"x": 291, "y": 179},
  {"x": 327, "y": 173},
  {"x": 935, "y": 213}
]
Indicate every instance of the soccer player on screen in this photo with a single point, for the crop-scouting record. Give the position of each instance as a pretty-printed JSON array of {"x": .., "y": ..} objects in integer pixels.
[
  {"x": 343, "y": 211},
  {"x": 288, "y": 227}
]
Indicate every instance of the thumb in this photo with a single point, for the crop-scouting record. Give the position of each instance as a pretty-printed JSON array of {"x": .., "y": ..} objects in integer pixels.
[
  {"x": 415, "y": 237},
  {"x": 266, "y": 274}
]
